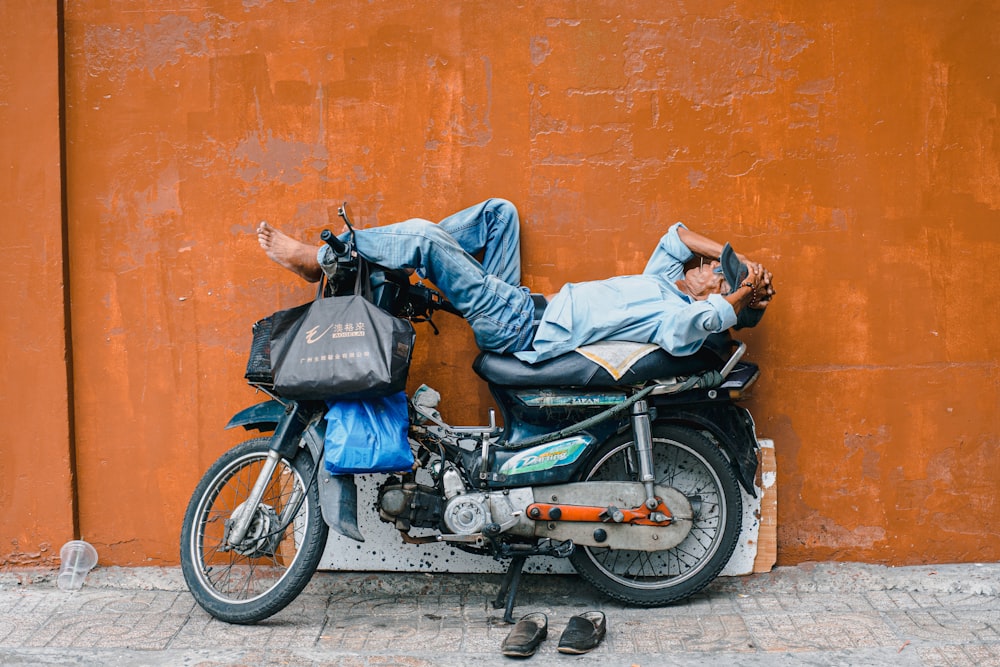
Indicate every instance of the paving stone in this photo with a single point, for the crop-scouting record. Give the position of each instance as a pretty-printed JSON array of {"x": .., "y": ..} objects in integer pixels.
[{"x": 817, "y": 614}]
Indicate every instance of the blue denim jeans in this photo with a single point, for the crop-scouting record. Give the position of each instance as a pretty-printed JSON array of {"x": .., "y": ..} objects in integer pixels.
[
  {"x": 492, "y": 228},
  {"x": 488, "y": 294}
]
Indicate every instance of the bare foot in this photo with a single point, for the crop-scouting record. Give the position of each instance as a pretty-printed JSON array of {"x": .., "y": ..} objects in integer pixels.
[{"x": 297, "y": 257}]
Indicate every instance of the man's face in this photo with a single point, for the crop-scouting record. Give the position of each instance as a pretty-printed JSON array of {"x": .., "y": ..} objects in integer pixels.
[{"x": 706, "y": 279}]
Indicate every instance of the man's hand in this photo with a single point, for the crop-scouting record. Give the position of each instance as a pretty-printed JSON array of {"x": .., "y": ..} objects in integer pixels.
[
  {"x": 761, "y": 277},
  {"x": 763, "y": 289}
]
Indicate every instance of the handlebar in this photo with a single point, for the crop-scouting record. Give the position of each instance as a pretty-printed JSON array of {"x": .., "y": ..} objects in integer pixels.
[
  {"x": 339, "y": 248},
  {"x": 414, "y": 302}
]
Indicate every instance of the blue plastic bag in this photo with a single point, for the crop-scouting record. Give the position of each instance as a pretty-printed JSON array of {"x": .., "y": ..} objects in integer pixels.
[{"x": 368, "y": 435}]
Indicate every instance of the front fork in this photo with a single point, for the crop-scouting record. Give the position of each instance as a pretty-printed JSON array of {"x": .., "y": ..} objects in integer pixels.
[
  {"x": 296, "y": 425},
  {"x": 241, "y": 521},
  {"x": 644, "y": 449},
  {"x": 283, "y": 443}
]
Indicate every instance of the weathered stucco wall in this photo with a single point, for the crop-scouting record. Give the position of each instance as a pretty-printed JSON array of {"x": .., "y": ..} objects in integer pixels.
[
  {"x": 851, "y": 147},
  {"x": 36, "y": 491}
]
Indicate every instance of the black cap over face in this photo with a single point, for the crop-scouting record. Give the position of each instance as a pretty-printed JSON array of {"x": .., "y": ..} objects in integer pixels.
[
  {"x": 735, "y": 273},
  {"x": 733, "y": 269}
]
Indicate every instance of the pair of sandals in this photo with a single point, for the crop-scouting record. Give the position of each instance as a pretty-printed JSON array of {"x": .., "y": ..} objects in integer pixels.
[{"x": 583, "y": 633}]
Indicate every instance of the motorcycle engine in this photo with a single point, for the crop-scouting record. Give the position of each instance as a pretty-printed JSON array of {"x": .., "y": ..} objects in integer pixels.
[
  {"x": 464, "y": 513},
  {"x": 467, "y": 514},
  {"x": 408, "y": 504},
  {"x": 416, "y": 505}
]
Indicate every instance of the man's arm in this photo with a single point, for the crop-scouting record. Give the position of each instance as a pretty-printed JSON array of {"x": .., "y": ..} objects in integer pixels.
[
  {"x": 706, "y": 247},
  {"x": 760, "y": 297},
  {"x": 701, "y": 245}
]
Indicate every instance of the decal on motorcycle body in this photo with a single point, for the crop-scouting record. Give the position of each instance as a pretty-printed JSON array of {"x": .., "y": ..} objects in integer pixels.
[
  {"x": 545, "y": 457},
  {"x": 553, "y": 399}
]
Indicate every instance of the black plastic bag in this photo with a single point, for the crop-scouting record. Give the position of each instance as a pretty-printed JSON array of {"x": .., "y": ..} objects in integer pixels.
[{"x": 339, "y": 347}]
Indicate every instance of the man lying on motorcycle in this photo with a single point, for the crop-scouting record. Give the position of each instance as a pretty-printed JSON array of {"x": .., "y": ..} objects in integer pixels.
[{"x": 670, "y": 305}]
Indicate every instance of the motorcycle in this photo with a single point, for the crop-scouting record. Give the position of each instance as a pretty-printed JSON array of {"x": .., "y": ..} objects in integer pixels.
[{"x": 635, "y": 480}]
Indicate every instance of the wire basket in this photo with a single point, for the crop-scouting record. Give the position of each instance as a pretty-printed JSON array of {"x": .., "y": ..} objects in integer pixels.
[{"x": 259, "y": 363}]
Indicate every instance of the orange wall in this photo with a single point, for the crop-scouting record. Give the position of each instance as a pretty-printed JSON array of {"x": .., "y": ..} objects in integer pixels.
[
  {"x": 36, "y": 492},
  {"x": 851, "y": 147}
]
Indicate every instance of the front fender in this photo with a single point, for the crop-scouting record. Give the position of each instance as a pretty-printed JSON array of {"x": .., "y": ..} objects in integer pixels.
[{"x": 262, "y": 417}]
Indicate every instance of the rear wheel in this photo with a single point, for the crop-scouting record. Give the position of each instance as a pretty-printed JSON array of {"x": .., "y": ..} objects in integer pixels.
[
  {"x": 694, "y": 465},
  {"x": 268, "y": 569}
]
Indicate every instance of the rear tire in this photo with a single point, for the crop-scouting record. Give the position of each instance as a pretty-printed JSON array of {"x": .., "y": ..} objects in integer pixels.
[
  {"x": 693, "y": 464},
  {"x": 264, "y": 573}
]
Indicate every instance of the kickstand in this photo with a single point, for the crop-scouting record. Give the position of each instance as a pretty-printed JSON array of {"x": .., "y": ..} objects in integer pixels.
[{"x": 508, "y": 589}]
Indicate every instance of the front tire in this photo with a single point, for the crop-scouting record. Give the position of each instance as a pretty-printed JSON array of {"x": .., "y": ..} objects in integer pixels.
[
  {"x": 693, "y": 464},
  {"x": 269, "y": 568}
]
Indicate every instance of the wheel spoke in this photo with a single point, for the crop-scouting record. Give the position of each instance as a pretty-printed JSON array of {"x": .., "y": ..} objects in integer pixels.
[
  {"x": 243, "y": 572},
  {"x": 253, "y": 579},
  {"x": 684, "y": 467}
]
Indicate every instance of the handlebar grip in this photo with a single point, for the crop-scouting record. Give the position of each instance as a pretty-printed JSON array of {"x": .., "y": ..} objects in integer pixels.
[{"x": 339, "y": 247}]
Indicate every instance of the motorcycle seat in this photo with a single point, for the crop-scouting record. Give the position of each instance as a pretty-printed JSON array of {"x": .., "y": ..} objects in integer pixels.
[{"x": 575, "y": 370}]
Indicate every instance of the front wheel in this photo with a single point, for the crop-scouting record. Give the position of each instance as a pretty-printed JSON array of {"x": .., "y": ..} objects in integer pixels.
[
  {"x": 258, "y": 577},
  {"x": 691, "y": 463}
]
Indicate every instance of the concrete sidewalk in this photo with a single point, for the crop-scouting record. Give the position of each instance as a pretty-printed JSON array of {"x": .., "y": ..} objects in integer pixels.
[{"x": 817, "y": 614}]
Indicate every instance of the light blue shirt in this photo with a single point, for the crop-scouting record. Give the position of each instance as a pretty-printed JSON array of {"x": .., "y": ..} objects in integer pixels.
[{"x": 647, "y": 308}]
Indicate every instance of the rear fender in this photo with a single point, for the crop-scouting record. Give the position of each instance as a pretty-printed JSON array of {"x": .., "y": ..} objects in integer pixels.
[{"x": 732, "y": 427}]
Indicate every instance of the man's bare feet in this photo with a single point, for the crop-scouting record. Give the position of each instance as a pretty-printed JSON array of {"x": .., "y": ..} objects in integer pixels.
[{"x": 297, "y": 257}]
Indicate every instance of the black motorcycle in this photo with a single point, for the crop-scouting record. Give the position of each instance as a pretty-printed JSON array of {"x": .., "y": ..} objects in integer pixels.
[{"x": 636, "y": 480}]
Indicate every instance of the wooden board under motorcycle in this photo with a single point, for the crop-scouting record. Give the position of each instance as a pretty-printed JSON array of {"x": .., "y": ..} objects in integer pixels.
[{"x": 635, "y": 480}]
